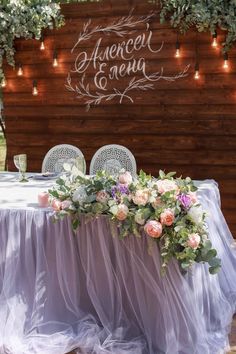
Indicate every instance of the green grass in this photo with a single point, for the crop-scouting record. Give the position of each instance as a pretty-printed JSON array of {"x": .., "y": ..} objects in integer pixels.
[{"x": 2, "y": 152}]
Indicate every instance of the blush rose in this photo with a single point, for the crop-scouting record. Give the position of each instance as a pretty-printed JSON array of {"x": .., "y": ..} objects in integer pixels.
[
  {"x": 122, "y": 212},
  {"x": 166, "y": 185},
  {"x": 125, "y": 178},
  {"x": 167, "y": 217},
  {"x": 56, "y": 204},
  {"x": 153, "y": 228},
  {"x": 66, "y": 204},
  {"x": 141, "y": 197},
  {"x": 193, "y": 241}
]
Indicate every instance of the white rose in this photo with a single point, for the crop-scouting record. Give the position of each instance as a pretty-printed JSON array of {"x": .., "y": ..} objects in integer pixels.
[
  {"x": 80, "y": 195},
  {"x": 196, "y": 213},
  {"x": 114, "y": 209},
  {"x": 139, "y": 219}
]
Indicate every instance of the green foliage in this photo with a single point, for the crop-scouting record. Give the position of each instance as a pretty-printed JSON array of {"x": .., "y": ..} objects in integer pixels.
[
  {"x": 202, "y": 14},
  {"x": 26, "y": 19}
]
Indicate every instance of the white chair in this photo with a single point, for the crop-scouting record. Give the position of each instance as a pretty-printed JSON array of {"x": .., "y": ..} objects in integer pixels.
[
  {"x": 112, "y": 158},
  {"x": 59, "y": 154}
]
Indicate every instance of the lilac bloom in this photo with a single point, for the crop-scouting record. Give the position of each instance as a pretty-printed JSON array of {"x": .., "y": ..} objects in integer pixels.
[
  {"x": 123, "y": 189},
  {"x": 118, "y": 190},
  {"x": 185, "y": 200}
]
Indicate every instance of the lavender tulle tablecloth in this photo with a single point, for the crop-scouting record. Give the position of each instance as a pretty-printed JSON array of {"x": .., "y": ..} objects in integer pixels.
[{"x": 98, "y": 294}]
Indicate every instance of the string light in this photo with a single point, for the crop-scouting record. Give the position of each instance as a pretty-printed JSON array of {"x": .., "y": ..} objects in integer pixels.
[
  {"x": 177, "y": 52},
  {"x": 42, "y": 46},
  {"x": 196, "y": 75},
  {"x": 55, "y": 62},
  {"x": 214, "y": 42},
  {"x": 226, "y": 61},
  {"x": 20, "y": 70},
  {"x": 4, "y": 82},
  {"x": 177, "y": 55},
  {"x": 177, "y": 47},
  {"x": 35, "y": 88}
]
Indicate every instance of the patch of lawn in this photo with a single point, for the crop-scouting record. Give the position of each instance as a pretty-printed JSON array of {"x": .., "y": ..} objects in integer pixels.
[{"x": 2, "y": 152}]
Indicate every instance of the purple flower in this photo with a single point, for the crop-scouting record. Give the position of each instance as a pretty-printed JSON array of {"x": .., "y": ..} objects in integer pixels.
[
  {"x": 123, "y": 189},
  {"x": 185, "y": 200},
  {"x": 118, "y": 190}
]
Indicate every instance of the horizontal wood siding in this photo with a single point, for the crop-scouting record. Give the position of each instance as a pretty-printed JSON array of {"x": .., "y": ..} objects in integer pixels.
[{"x": 187, "y": 126}]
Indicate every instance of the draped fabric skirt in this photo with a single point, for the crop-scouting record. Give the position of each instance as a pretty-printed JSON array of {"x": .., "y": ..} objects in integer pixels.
[{"x": 96, "y": 293}]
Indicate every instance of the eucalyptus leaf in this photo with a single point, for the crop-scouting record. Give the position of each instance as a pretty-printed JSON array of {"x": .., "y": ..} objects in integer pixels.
[
  {"x": 215, "y": 262},
  {"x": 60, "y": 182},
  {"x": 214, "y": 270},
  {"x": 185, "y": 265},
  {"x": 75, "y": 224},
  {"x": 162, "y": 174},
  {"x": 207, "y": 244}
]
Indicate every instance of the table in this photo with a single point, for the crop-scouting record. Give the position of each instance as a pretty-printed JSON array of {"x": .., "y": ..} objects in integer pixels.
[{"x": 60, "y": 291}]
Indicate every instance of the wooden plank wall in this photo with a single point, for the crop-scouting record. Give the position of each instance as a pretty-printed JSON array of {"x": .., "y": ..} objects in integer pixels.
[{"x": 188, "y": 126}]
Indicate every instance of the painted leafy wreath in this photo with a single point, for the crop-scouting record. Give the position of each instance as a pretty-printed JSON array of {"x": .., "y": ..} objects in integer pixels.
[{"x": 121, "y": 27}]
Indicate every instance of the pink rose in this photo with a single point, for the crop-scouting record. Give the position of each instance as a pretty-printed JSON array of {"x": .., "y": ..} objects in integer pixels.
[
  {"x": 102, "y": 197},
  {"x": 153, "y": 228},
  {"x": 193, "y": 197},
  {"x": 166, "y": 185},
  {"x": 56, "y": 204},
  {"x": 66, "y": 204},
  {"x": 167, "y": 217},
  {"x": 141, "y": 197},
  {"x": 193, "y": 241},
  {"x": 122, "y": 212},
  {"x": 125, "y": 178}
]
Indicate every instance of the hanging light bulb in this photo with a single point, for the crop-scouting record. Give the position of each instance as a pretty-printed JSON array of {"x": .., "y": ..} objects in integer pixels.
[
  {"x": 214, "y": 41},
  {"x": 42, "y": 46},
  {"x": 177, "y": 47},
  {"x": 20, "y": 70},
  {"x": 35, "y": 88},
  {"x": 4, "y": 82},
  {"x": 226, "y": 61},
  {"x": 196, "y": 75},
  {"x": 55, "y": 62}
]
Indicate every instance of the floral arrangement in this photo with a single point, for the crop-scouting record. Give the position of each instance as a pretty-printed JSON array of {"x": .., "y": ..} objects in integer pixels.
[{"x": 165, "y": 209}]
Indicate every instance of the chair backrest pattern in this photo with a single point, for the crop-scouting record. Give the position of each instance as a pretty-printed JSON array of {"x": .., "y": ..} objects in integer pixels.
[
  {"x": 58, "y": 155},
  {"x": 112, "y": 158}
]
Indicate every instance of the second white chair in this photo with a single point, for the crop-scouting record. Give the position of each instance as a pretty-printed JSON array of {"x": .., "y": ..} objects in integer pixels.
[{"x": 112, "y": 158}]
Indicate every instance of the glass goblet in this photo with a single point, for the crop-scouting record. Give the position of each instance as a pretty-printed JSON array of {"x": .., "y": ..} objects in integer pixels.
[{"x": 20, "y": 162}]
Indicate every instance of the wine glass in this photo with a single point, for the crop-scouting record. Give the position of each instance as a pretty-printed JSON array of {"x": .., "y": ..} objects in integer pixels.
[{"x": 20, "y": 161}]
